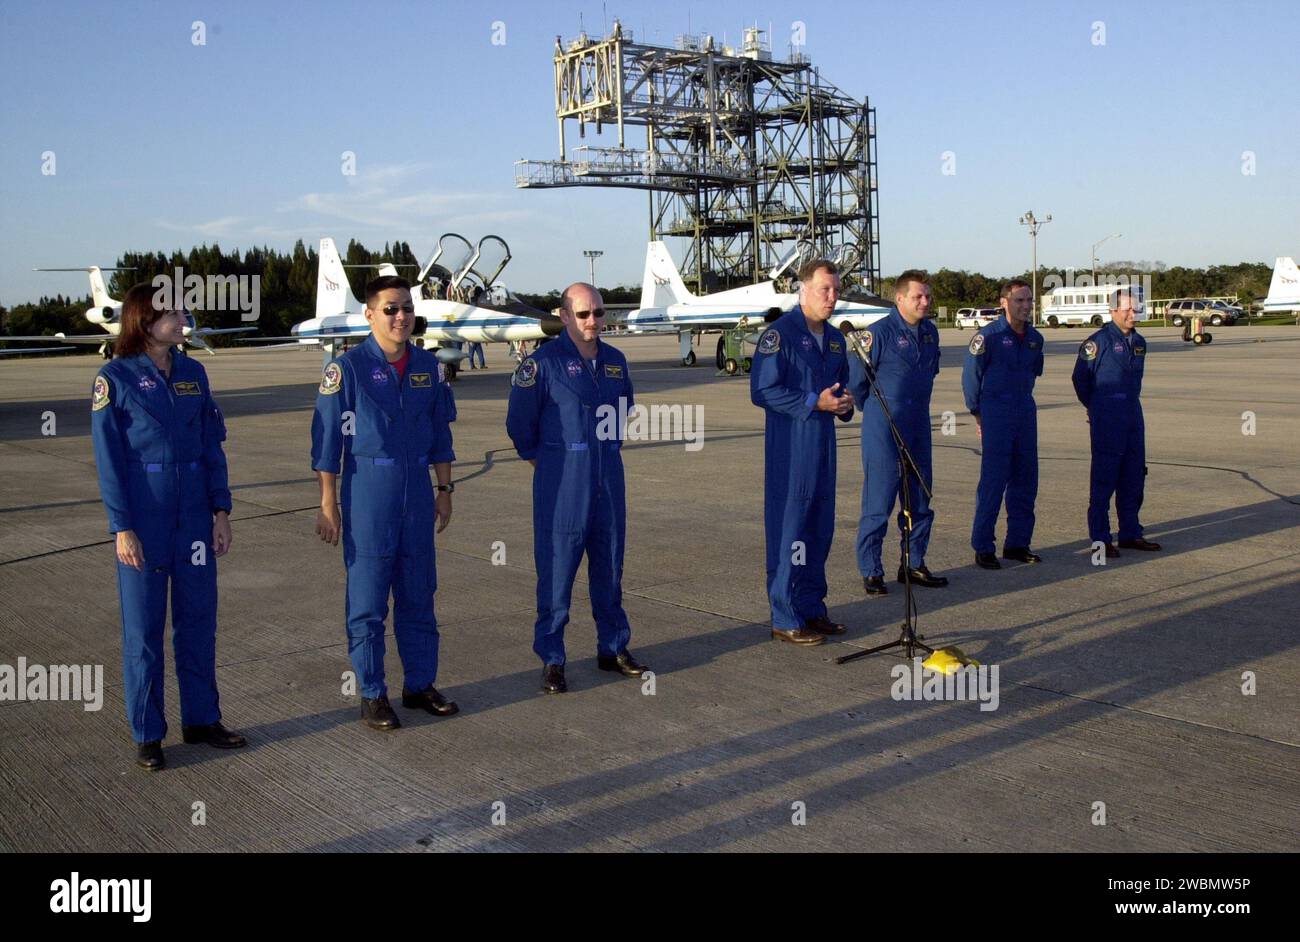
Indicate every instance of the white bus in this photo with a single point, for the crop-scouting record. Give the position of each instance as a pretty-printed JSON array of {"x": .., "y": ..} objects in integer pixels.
[{"x": 1086, "y": 305}]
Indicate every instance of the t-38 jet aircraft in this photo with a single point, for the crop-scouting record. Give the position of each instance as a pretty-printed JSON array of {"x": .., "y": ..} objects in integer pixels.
[
  {"x": 668, "y": 307},
  {"x": 457, "y": 301}
]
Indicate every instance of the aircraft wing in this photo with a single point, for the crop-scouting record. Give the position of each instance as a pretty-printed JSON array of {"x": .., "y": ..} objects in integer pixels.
[
  {"x": 10, "y": 351},
  {"x": 64, "y": 338},
  {"x": 308, "y": 338},
  {"x": 208, "y": 331}
]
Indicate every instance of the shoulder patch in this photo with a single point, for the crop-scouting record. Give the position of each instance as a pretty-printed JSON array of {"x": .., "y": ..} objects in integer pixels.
[
  {"x": 99, "y": 397},
  {"x": 868, "y": 338},
  {"x": 977, "y": 344},
  {"x": 331, "y": 380},
  {"x": 1089, "y": 350},
  {"x": 770, "y": 342},
  {"x": 525, "y": 374}
]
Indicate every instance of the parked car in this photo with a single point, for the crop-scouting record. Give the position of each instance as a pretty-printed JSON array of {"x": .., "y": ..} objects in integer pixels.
[
  {"x": 1217, "y": 313},
  {"x": 977, "y": 317}
]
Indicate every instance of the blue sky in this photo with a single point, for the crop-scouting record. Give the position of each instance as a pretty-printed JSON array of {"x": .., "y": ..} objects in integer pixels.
[{"x": 161, "y": 144}]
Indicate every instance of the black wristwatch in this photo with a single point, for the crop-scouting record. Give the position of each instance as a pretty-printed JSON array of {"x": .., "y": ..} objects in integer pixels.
[{"x": 447, "y": 487}]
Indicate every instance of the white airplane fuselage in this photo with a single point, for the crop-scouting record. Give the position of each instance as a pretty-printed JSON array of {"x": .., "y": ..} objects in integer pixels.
[
  {"x": 446, "y": 321},
  {"x": 722, "y": 311}
]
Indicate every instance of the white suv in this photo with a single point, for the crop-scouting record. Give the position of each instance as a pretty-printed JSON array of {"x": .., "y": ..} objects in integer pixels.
[{"x": 977, "y": 317}]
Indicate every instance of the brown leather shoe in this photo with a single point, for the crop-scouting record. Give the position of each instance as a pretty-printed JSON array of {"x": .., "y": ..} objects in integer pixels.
[
  {"x": 1111, "y": 552},
  {"x": 824, "y": 626},
  {"x": 803, "y": 635}
]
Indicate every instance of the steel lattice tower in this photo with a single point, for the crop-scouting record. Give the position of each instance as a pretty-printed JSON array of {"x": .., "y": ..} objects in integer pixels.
[{"x": 743, "y": 154}]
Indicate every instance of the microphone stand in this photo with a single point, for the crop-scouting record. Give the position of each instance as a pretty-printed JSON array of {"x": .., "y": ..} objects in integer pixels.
[{"x": 908, "y": 639}]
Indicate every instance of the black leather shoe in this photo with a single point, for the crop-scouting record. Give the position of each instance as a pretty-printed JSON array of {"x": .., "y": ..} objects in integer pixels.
[
  {"x": 798, "y": 635},
  {"x": 1140, "y": 544},
  {"x": 378, "y": 714},
  {"x": 923, "y": 577},
  {"x": 1021, "y": 554},
  {"x": 824, "y": 626},
  {"x": 1111, "y": 552},
  {"x": 214, "y": 734},
  {"x": 429, "y": 699},
  {"x": 149, "y": 756},
  {"x": 874, "y": 585},
  {"x": 987, "y": 561},
  {"x": 553, "y": 679},
  {"x": 623, "y": 663}
]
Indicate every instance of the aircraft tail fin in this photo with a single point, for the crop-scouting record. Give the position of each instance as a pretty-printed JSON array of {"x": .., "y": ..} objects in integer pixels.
[
  {"x": 100, "y": 298},
  {"x": 1285, "y": 285},
  {"x": 333, "y": 294},
  {"x": 98, "y": 290},
  {"x": 661, "y": 283}
]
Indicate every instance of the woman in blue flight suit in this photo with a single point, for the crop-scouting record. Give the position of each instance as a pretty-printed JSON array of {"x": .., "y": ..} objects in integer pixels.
[{"x": 162, "y": 473}]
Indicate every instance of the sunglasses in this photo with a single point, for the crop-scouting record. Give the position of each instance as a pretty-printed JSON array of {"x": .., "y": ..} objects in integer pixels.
[
  {"x": 583, "y": 315},
  {"x": 392, "y": 309}
]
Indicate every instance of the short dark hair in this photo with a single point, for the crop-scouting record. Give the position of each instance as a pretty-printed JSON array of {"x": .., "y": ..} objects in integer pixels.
[
  {"x": 1012, "y": 285},
  {"x": 139, "y": 313},
  {"x": 377, "y": 286},
  {"x": 812, "y": 267},
  {"x": 906, "y": 278},
  {"x": 1114, "y": 298}
]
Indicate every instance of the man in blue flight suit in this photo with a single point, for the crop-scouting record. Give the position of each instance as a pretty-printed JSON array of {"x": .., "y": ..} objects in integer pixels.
[
  {"x": 1002, "y": 362},
  {"x": 1108, "y": 381},
  {"x": 904, "y": 352},
  {"x": 563, "y": 417},
  {"x": 800, "y": 378},
  {"x": 383, "y": 415}
]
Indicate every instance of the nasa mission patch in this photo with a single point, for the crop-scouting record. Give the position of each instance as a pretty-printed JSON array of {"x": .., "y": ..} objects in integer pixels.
[
  {"x": 526, "y": 374},
  {"x": 99, "y": 397},
  {"x": 331, "y": 380},
  {"x": 770, "y": 342},
  {"x": 1089, "y": 350},
  {"x": 977, "y": 344}
]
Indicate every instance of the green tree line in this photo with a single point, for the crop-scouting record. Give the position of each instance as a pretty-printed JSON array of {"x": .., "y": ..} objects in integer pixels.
[{"x": 288, "y": 285}]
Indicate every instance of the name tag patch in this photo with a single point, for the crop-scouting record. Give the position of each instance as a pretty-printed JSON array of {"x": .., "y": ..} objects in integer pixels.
[
  {"x": 187, "y": 389},
  {"x": 613, "y": 372},
  {"x": 836, "y": 346},
  {"x": 421, "y": 381}
]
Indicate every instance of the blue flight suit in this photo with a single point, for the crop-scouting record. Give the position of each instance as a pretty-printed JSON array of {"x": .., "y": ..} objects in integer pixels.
[
  {"x": 1108, "y": 381},
  {"x": 998, "y": 382},
  {"x": 162, "y": 474},
  {"x": 791, "y": 368},
  {"x": 566, "y": 416},
  {"x": 398, "y": 427},
  {"x": 905, "y": 369}
]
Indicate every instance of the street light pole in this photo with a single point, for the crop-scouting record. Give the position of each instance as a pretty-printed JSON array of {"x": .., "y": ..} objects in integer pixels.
[
  {"x": 592, "y": 255},
  {"x": 1034, "y": 225},
  {"x": 1095, "y": 246}
]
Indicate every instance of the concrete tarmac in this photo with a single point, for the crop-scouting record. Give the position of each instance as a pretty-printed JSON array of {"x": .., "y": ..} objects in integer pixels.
[{"x": 1151, "y": 704}]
